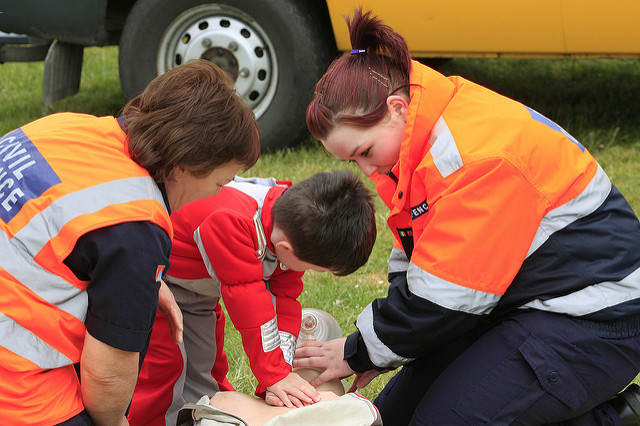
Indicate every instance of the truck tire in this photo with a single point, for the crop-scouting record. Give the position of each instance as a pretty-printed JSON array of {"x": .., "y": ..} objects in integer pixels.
[{"x": 275, "y": 51}]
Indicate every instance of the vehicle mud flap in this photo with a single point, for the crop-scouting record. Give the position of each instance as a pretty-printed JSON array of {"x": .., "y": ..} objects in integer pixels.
[
  {"x": 538, "y": 371},
  {"x": 62, "y": 70}
]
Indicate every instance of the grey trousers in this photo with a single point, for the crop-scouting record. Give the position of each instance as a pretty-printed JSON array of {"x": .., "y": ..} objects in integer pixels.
[{"x": 198, "y": 349}]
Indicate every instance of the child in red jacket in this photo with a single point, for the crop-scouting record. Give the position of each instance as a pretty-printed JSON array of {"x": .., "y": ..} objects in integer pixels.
[{"x": 250, "y": 245}]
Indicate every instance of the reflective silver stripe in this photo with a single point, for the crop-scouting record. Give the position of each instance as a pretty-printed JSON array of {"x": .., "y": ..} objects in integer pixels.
[
  {"x": 18, "y": 252},
  {"x": 593, "y": 298},
  {"x": 205, "y": 286},
  {"x": 583, "y": 205},
  {"x": 378, "y": 352},
  {"x": 288, "y": 345},
  {"x": 449, "y": 295},
  {"x": 23, "y": 342},
  {"x": 398, "y": 261},
  {"x": 270, "y": 335},
  {"x": 444, "y": 151},
  {"x": 262, "y": 238},
  {"x": 257, "y": 188},
  {"x": 47, "y": 224},
  {"x": 265, "y": 255},
  {"x": 45, "y": 284},
  {"x": 26, "y": 243},
  {"x": 197, "y": 238}
]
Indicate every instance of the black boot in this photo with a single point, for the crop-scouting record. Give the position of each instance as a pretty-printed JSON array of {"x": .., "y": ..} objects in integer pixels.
[{"x": 627, "y": 404}]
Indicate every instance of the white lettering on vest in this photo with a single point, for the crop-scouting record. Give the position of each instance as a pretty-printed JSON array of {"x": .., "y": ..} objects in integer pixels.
[
  {"x": 7, "y": 183},
  {"x": 17, "y": 150},
  {"x": 12, "y": 151},
  {"x": 419, "y": 210},
  {"x": 11, "y": 199},
  {"x": 24, "y": 173}
]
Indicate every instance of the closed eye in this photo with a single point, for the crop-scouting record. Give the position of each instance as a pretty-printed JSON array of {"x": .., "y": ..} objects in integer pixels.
[{"x": 365, "y": 153}]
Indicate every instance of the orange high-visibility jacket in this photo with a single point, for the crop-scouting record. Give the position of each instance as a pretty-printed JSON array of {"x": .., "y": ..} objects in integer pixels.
[
  {"x": 488, "y": 196},
  {"x": 60, "y": 177}
]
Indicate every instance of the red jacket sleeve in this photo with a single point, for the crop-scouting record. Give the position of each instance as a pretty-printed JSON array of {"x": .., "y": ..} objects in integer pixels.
[
  {"x": 286, "y": 286},
  {"x": 229, "y": 241}
]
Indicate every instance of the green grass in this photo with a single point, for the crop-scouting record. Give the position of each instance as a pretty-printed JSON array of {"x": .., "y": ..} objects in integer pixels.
[
  {"x": 21, "y": 90},
  {"x": 595, "y": 100}
]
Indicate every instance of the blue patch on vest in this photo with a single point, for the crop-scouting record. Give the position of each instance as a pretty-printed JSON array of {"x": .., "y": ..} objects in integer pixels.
[
  {"x": 24, "y": 173},
  {"x": 419, "y": 210},
  {"x": 544, "y": 120}
]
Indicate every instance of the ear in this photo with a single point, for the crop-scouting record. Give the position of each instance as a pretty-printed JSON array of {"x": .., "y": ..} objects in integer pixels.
[
  {"x": 398, "y": 106},
  {"x": 280, "y": 240},
  {"x": 176, "y": 173},
  {"x": 284, "y": 245}
]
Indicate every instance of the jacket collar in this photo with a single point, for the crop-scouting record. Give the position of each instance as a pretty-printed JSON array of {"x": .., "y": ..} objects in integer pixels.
[{"x": 430, "y": 93}]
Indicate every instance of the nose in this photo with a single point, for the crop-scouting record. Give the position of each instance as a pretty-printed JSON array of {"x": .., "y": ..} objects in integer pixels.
[{"x": 367, "y": 169}]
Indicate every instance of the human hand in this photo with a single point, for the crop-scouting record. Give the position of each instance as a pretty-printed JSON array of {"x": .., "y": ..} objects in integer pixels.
[
  {"x": 271, "y": 399},
  {"x": 292, "y": 391},
  {"x": 363, "y": 379},
  {"x": 168, "y": 306},
  {"x": 325, "y": 356}
]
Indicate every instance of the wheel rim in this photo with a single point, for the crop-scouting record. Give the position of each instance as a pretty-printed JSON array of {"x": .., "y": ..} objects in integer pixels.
[{"x": 232, "y": 40}]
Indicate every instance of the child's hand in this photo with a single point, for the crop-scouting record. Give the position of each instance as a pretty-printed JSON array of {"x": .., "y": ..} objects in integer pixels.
[{"x": 292, "y": 391}]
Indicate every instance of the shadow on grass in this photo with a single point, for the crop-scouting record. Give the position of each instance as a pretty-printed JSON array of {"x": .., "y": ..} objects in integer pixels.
[{"x": 99, "y": 97}]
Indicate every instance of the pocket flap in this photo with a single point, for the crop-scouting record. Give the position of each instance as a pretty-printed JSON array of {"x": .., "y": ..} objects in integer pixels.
[{"x": 554, "y": 373}]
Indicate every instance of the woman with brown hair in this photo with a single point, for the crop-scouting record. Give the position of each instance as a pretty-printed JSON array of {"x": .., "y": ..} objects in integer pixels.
[{"x": 86, "y": 237}]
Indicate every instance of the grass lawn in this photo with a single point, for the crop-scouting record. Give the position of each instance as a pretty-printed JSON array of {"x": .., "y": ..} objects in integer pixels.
[{"x": 595, "y": 100}]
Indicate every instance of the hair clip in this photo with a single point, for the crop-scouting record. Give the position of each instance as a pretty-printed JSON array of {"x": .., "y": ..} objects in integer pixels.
[
  {"x": 358, "y": 52},
  {"x": 379, "y": 77}
]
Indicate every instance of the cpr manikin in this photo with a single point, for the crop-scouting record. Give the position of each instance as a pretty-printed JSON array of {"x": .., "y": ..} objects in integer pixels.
[{"x": 228, "y": 408}]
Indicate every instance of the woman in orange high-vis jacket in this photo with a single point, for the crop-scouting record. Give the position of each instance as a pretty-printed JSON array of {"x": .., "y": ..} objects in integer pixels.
[
  {"x": 86, "y": 236},
  {"x": 515, "y": 277}
]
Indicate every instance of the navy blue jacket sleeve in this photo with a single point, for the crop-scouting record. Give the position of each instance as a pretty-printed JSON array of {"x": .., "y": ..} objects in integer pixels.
[{"x": 121, "y": 264}]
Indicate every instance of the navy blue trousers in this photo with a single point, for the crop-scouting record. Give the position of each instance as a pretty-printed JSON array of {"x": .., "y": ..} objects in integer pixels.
[
  {"x": 533, "y": 368},
  {"x": 80, "y": 419}
]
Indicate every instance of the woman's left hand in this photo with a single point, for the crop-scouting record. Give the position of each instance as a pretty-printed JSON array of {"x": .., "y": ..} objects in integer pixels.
[
  {"x": 325, "y": 356},
  {"x": 168, "y": 306}
]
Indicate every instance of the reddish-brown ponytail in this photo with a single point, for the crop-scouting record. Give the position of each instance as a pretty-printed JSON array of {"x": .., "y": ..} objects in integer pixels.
[{"x": 355, "y": 88}]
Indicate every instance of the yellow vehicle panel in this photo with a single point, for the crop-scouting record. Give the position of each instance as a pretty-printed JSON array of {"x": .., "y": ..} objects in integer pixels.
[{"x": 544, "y": 28}]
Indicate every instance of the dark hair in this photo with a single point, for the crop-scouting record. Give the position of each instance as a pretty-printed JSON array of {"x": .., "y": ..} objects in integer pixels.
[
  {"x": 329, "y": 219},
  {"x": 355, "y": 88},
  {"x": 192, "y": 118}
]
